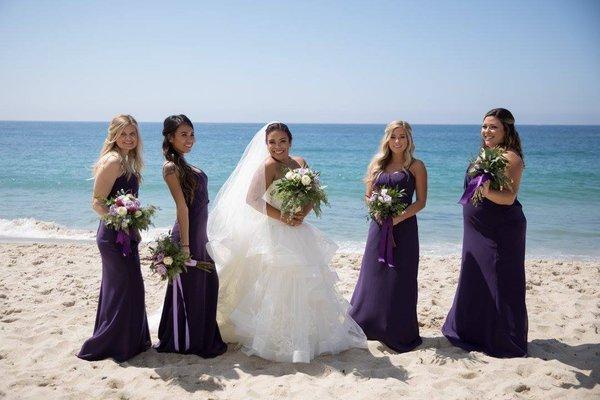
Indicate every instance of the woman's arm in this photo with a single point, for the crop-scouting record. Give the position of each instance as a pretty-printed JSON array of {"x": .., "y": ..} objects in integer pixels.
[
  {"x": 420, "y": 172},
  {"x": 261, "y": 181},
  {"x": 171, "y": 177},
  {"x": 106, "y": 176},
  {"x": 514, "y": 171}
]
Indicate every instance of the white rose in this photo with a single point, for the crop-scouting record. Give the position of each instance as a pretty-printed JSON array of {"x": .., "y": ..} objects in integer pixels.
[
  {"x": 387, "y": 198},
  {"x": 167, "y": 260},
  {"x": 289, "y": 175},
  {"x": 384, "y": 191},
  {"x": 122, "y": 211},
  {"x": 138, "y": 214},
  {"x": 124, "y": 225},
  {"x": 306, "y": 180}
]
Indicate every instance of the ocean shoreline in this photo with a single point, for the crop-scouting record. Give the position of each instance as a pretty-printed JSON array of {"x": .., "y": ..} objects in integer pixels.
[{"x": 354, "y": 249}]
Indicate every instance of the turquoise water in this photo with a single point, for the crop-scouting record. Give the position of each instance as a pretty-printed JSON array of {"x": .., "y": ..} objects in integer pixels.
[{"x": 45, "y": 169}]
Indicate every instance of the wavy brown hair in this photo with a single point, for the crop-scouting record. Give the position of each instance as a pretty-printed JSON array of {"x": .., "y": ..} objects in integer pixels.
[
  {"x": 186, "y": 174},
  {"x": 512, "y": 141}
]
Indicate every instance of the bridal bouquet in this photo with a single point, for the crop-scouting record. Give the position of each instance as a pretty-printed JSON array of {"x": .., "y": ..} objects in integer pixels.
[
  {"x": 126, "y": 213},
  {"x": 300, "y": 187},
  {"x": 385, "y": 202},
  {"x": 490, "y": 165},
  {"x": 169, "y": 259}
]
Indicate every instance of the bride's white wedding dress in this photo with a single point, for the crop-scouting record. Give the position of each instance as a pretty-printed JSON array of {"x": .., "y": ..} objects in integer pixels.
[{"x": 277, "y": 294}]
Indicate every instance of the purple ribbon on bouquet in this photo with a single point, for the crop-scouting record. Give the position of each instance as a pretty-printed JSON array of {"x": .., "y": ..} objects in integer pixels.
[
  {"x": 386, "y": 243},
  {"x": 472, "y": 186},
  {"x": 125, "y": 241},
  {"x": 178, "y": 288}
]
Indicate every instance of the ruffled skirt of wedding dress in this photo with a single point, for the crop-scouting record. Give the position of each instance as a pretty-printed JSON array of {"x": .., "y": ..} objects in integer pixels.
[{"x": 277, "y": 296}]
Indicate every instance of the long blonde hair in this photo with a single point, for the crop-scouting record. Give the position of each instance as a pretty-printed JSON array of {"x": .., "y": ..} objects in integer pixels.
[
  {"x": 384, "y": 156},
  {"x": 133, "y": 162}
]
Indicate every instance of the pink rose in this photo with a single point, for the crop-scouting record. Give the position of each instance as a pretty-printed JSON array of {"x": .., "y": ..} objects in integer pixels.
[{"x": 131, "y": 206}]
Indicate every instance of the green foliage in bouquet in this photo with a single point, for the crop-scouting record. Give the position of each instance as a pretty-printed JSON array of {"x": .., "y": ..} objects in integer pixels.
[
  {"x": 385, "y": 202},
  {"x": 169, "y": 259},
  {"x": 492, "y": 162},
  {"x": 300, "y": 188}
]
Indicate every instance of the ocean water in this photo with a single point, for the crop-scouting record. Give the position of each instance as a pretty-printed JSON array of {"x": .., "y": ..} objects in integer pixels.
[{"x": 45, "y": 190}]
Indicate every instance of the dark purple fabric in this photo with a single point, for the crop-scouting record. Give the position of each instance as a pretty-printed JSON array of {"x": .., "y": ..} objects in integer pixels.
[
  {"x": 489, "y": 313},
  {"x": 384, "y": 302},
  {"x": 121, "y": 328},
  {"x": 386, "y": 243},
  {"x": 200, "y": 291}
]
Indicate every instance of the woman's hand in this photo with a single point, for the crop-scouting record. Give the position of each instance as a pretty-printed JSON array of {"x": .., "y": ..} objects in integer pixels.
[
  {"x": 291, "y": 220},
  {"x": 485, "y": 188}
]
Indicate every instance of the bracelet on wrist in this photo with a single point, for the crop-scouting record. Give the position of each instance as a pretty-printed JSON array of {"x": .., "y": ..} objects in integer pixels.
[{"x": 185, "y": 245}]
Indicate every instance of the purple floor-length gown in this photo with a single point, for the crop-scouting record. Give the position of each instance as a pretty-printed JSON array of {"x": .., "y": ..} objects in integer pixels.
[
  {"x": 489, "y": 313},
  {"x": 121, "y": 329},
  {"x": 384, "y": 302},
  {"x": 200, "y": 291}
]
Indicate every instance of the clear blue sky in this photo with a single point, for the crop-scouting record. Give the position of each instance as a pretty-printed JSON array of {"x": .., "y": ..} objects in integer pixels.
[{"x": 304, "y": 61}]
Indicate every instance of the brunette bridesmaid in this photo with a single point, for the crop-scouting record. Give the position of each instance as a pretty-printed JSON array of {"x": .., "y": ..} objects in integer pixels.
[
  {"x": 489, "y": 312},
  {"x": 384, "y": 302},
  {"x": 188, "y": 323},
  {"x": 121, "y": 328}
]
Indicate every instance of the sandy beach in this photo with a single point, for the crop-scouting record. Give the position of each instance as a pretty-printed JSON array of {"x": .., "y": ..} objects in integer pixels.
[{"x": 48, "y": 295}]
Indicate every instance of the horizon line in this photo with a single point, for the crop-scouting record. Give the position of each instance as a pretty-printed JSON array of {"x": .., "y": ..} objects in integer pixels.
[{"x": 301, "y": 123}]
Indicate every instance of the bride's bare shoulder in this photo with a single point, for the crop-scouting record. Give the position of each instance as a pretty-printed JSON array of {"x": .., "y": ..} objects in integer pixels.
[{"x": 301, "y": 161}]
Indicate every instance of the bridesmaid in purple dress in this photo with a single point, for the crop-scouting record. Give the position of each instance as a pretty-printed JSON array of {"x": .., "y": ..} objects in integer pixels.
[
  {"x": 194, "y": 328},
  {"x": 384, "y": 302},
  {"x": 489, "y": 313},
  {"x": 121, "y": 329}
]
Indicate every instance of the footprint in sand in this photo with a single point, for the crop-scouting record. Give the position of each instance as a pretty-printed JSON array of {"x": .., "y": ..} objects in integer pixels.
[
  {"x": 115, "y": 384},
  {"x": 522, "y": 388},
  {"x": 468, "y": 375}
]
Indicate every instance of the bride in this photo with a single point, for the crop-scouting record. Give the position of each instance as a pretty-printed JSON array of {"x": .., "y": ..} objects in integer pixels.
[{"x": 277, "y": 295}]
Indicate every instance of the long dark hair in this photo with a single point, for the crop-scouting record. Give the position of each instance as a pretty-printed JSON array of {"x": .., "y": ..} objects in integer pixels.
[
  {"x": 186, "y": 174},
  {"x": 511, "y": 136},
  {"x": 278, "y": 126}
]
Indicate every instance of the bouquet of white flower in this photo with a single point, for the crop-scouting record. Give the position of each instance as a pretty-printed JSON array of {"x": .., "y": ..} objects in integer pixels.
[
  {"x": 300, "y": 187},
  {"x": 385, "y": 202},
  {"x": 490, "y": 165}
]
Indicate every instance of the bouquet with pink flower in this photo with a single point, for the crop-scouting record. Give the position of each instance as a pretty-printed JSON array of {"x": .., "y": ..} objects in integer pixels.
[
  {"x": 169, "y": 259},
  {"x": 300, "y": 187},
  {"x": 385, "y": 203},
  {"x": 125, "y": 213}
]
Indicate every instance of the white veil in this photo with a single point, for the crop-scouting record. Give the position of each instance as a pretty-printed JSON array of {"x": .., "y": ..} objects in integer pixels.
[
  {"x": 236, "y": 223},
  {"x": 238, "y": 230}
]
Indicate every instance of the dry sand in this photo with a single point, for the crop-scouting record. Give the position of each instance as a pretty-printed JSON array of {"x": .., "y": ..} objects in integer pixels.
[{"x": 48, "y": 295}]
